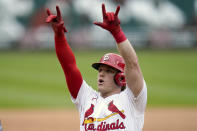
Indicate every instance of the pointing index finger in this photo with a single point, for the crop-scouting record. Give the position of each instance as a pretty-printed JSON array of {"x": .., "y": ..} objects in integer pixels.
[
  {"x": 58, "y": 11},
  {"x": 117, "y": 11},
  {"x": 103, "y": 10}
]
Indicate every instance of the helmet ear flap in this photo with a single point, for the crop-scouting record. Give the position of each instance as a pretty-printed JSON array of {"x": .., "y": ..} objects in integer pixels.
[{"x": 119, "y": 79}]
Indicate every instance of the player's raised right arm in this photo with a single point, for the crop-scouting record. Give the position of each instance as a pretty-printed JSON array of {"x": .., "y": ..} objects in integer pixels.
[{"x": 64, "y": 53}]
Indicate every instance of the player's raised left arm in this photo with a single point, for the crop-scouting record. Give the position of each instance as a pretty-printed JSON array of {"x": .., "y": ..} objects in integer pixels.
[{"x": 133, "y": 72}]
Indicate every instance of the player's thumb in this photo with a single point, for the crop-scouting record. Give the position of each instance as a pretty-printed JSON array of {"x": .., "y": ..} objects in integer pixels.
[
  {"x": 103, "y": 25},
  {"x": 50, "y": 18}
]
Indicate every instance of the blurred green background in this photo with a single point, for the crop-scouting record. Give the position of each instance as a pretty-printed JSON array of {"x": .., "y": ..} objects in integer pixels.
[{"x": 35, "y": 79}]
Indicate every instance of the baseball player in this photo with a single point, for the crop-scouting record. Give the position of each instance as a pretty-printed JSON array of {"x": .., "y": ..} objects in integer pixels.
[{"x": 120, "y": 102}]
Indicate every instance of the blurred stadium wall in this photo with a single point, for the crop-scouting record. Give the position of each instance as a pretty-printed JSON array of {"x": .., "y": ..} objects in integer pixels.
[{"x": 147, "y": 23}]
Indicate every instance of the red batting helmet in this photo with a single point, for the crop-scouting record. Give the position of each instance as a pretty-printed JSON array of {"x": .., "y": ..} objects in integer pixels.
[{"x": 114, "y": 61}]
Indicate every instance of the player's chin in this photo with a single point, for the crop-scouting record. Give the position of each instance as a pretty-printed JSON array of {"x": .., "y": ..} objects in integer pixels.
[
  {"x": 100, "y": 84},
  {"x": 100, "y": 87}
]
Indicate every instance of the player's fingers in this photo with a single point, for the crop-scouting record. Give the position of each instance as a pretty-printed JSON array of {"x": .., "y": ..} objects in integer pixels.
[
  {"x": 103, "y": 10},
  {"x": 48, "y": 12},
  {"x": 117, "y": 10},
  {"x": 65, "y": 30},
  {"x": 50, "y": 18},
  {"x": 98, "y": 23},
  {"x": 112, "y": 16},
  {"x": 109, "y": 17},
  {"x": 58, "y": 11},
  {"x": 103, "y": 25}
]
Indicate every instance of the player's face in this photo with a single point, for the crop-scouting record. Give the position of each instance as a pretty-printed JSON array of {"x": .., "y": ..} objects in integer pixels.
[{"x": 105, "y": 80}]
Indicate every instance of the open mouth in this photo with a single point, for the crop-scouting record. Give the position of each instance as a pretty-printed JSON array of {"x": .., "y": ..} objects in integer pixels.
[{"x": 100, "y": 81}]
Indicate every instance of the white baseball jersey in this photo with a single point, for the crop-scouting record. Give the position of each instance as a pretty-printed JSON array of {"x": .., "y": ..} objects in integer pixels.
[{"x": 121, "y": 111}]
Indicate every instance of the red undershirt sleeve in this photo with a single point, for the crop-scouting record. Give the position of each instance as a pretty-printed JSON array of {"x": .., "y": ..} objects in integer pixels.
[{"x": 67, "y": 60}]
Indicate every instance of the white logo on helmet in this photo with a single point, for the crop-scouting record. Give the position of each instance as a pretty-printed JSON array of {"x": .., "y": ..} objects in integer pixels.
[{"x": 106, "y": 58}]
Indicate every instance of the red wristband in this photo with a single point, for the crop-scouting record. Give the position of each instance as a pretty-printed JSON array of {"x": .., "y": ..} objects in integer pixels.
[{"x": 119, "y": 37}]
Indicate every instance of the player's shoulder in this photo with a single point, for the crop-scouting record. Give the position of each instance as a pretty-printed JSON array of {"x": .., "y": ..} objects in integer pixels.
[{"x": 88, "y": 89}]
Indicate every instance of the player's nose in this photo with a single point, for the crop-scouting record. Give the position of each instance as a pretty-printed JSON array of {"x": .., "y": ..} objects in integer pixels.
[{"x": 102, "y": 73}]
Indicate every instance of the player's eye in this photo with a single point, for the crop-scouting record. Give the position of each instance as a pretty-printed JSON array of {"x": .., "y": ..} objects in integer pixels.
[
  {"x": 109, "y": 71},
  {"x": 99, "y": 70}
]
